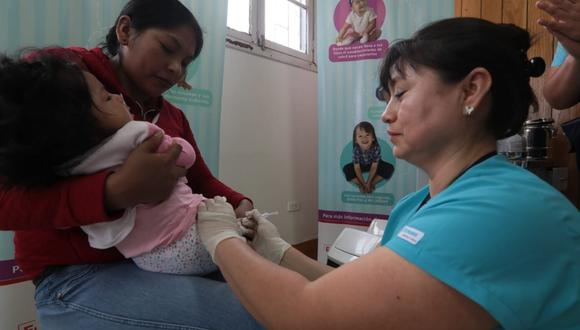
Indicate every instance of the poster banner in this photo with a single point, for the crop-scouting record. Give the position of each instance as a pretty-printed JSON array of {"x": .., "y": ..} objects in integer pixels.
[
  {"x": 359, "y": 178},
  {"x": 39, "y": 23}
]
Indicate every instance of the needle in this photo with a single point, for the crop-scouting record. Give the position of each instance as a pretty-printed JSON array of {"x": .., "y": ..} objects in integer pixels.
[
  {"x": 266, "y": 215},
  {"x": 269, "y": 214}
]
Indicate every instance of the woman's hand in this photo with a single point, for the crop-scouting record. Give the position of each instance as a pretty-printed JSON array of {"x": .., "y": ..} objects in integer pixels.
[
  {"x": 565, "y": 18},
  {"x": 145, "y": 177},
  {"x": 564, "y": 23}
]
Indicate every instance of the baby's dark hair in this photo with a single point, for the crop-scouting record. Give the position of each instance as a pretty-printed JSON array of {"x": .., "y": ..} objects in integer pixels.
[
  {"x": 45, "y": 119},
  {"x": 454, "y": 47},
  {"x": 350, "y": 2},
  {"x": 367, "y": 127}
]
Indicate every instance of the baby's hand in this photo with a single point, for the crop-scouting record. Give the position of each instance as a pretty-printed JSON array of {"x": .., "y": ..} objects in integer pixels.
[{"x": 183, "y": 84}]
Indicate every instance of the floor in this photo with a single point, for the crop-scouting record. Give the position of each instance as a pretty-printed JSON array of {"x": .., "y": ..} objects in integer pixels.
[{"x": 309, "y": 248}]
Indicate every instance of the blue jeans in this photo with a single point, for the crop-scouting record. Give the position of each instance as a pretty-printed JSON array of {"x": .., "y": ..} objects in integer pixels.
[{"x": 122, "y": 296}]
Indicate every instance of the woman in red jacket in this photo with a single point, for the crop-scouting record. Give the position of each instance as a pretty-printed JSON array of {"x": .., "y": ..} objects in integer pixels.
[{"x": 145, "y": 53}]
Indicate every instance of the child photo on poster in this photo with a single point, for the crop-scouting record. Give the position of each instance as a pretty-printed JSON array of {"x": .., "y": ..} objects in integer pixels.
[
  {"x": 360, "y": 24},
  {"x": 359, "y": 27},
  {"x": 366, "y": 158}
]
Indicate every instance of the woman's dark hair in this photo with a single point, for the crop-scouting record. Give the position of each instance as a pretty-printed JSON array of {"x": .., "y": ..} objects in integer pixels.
[
  {"x": 367, "y": 127},
  {"x": 45, "y": 119},
  {"x": 163, "y": 14},
  {"x": 454, "y": 47}
]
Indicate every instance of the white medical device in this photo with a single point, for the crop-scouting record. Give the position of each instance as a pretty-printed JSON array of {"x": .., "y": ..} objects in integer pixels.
[{"x": 353, "y": 243}]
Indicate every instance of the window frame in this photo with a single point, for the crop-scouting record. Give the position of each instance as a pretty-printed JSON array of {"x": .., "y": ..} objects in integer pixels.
[{"x": 255, "y": 42}]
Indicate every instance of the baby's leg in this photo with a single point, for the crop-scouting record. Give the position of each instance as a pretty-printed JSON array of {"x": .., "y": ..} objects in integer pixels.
[
  {"x": 374, "y": 35},
  {"x": 184, "y": 256},
  {"x": 364, "y": 38},
  {"x": 347, "y": 41}
]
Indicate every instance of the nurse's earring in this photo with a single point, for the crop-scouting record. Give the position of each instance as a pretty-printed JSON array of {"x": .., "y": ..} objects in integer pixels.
[{"x": 468, "y": 110}]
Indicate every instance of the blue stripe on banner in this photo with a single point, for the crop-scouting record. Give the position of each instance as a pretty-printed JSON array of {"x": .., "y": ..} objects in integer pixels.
[
  {"x": 9, "y": 23},
  {"x": 85, "y": 23},
  {"x": 63, "y": 26},
  {"x": 108, "y": 14},
  {"x": 39, "y": 22}
]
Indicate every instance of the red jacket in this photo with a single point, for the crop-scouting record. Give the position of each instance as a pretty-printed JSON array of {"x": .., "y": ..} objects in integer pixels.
[{"x": 46, "y": 220}]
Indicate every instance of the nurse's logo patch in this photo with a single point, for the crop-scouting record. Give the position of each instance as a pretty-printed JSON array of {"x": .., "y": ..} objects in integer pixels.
[{"x": 411, "y": 235}]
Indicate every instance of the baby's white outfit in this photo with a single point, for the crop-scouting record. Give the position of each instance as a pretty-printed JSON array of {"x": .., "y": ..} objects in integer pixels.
[{"x": 359, "y": 25}]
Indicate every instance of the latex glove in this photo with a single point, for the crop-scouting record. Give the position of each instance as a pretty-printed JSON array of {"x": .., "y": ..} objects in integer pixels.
[
  {"x": 216, "y": 221},
  {"x": 267, "y": 241},
  {"x": 248, "y": 227}
]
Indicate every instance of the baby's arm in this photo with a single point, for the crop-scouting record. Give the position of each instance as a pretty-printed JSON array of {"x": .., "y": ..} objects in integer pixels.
[
  {"x": 342, "y": 32},
  {"x": 187, "y": 157}
]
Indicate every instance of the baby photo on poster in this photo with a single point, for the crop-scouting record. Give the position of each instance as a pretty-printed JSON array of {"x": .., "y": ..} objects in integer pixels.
[
  {"x": 367, "y": 168},
  {"x": 359, "y": 27}
]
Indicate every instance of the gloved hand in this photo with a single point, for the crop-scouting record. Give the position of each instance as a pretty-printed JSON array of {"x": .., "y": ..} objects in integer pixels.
[
  {"x": 248, "y": 227},
  {"x": 216, "y": 221},
  {"x": 267, "y": 241}
]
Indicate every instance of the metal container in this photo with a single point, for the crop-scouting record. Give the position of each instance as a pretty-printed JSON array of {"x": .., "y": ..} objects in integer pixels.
[
  {"x": 513, "y": 147},
  {"x": 537, "y": 134}
]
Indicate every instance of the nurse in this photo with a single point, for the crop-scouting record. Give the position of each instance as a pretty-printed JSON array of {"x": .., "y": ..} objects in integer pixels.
[{"x": 485, "y": 244}]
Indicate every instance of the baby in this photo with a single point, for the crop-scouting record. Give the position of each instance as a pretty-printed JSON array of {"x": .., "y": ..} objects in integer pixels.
[{"x": 360, "y": 24}]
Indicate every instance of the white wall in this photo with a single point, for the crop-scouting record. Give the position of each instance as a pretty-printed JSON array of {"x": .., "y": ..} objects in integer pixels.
[
  {"x": 269, "y": 139},
  {"x": 17, "y": 309}
]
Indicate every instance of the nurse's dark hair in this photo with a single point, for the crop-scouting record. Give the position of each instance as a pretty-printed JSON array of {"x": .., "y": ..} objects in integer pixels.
[
  {"x": 367, "y": 127},
  {"x": 45, "y": 118},
  {"x": 454, "y": 47},
  {"x": 162, "y": 14}
]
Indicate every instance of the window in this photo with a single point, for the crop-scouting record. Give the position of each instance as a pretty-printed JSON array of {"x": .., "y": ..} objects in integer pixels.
[{"x": 282, "y": 30}]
